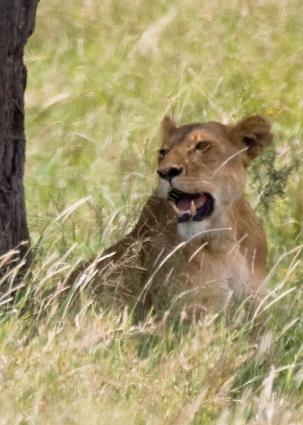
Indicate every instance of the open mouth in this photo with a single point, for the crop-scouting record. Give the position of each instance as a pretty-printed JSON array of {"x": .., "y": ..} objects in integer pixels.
[{"x": 191, "y": 206}]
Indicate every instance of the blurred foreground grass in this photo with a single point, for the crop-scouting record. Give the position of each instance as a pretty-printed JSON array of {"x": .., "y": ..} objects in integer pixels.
[{"x": 101, "y": 77}]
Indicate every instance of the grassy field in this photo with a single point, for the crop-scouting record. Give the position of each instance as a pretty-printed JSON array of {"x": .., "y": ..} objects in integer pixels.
[{"x": 101, "y": 75}]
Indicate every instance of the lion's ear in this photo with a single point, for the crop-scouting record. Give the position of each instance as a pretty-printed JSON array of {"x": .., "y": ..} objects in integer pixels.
[
  {"x": 168, "y": 126},
  {"x": 253, "y": 133}
]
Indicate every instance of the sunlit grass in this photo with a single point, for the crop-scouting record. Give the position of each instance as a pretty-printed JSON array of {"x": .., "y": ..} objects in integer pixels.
[{"x": 101, "y": 75}]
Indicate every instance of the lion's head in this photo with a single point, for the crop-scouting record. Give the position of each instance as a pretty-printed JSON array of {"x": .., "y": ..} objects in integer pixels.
[{"x": 202, "y": 169}]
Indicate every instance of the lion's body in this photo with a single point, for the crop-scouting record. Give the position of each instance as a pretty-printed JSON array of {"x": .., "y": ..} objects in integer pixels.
[{"x": 197, "y": 237}]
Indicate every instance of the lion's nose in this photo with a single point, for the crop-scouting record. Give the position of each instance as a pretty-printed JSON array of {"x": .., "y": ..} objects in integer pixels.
[{"x": 169, "y": 173}]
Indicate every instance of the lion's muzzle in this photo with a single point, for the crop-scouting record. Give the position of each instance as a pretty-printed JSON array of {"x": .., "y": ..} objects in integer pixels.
[{"x": 191, "y": 206}]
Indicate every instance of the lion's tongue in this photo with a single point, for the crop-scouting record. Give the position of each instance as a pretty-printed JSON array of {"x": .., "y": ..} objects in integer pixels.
[
  {"x": 184, "y": 202},
  {"x": 200, "y": 201}
]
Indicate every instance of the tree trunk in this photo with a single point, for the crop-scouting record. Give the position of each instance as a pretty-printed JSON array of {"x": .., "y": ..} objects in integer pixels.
[{"x": 17, "y": 19}]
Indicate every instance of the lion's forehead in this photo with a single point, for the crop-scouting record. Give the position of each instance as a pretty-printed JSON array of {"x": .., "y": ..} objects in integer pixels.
[
  {"x": 202, "y": 134},
  {"x": 212, "y": 132}
]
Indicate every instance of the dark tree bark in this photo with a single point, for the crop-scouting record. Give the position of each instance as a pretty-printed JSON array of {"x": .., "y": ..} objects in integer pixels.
[{"x": 17, "y": 20}]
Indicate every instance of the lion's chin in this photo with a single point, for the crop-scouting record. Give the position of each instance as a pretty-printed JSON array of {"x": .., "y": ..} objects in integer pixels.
[
  {"x": 194, "y": 230},
  {"x": 191, "y": 207}
]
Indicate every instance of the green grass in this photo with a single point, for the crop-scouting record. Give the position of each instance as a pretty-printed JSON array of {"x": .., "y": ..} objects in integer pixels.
[{"x": 101, "y": 75}]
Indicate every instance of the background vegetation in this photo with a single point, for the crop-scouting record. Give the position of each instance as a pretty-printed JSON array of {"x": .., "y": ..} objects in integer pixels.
[{"x": 101, "y": 77}]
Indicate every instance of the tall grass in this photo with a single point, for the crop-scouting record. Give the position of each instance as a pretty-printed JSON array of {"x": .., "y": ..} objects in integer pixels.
[{"x": 101, "y": 77}]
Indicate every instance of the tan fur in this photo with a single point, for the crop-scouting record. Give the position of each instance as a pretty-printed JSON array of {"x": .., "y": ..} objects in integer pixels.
[{"x": 213, "y": 261}]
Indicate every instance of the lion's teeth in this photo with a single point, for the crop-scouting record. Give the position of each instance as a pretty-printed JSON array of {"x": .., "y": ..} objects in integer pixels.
[
  {"x": 176, "y": 209},
  {"x": 193, "y": 208}
]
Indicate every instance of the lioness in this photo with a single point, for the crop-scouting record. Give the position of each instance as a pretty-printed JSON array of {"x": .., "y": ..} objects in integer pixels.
[{"x": 197, "y": 236}]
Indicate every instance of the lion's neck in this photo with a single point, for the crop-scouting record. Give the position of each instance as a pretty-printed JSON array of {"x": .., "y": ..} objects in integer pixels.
[
  {"x": 214, "y": 234},
  {"x": 218, "y": 233}
]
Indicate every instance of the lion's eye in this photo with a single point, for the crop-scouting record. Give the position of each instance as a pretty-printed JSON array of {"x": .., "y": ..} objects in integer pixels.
[
  {"x": 202, "y": 146},
  {"x": 162, "y": 152}
]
